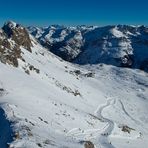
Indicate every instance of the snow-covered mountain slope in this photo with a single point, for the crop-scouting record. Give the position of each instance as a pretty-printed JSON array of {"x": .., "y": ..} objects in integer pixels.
[
  {"x": 47, "y": 102},
  {"x": 120, "y": 45}
]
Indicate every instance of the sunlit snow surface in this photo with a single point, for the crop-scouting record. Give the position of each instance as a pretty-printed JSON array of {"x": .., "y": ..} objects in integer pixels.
[{"x": 59, "y": 108}]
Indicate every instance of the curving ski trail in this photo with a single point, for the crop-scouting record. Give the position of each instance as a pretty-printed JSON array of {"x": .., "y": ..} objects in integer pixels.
[
  {"x": 103, "y": 134},
  {"x": 103, "y": 139}
]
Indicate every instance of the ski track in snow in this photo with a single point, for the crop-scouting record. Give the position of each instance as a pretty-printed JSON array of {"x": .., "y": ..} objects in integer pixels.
[
  {"x": 103, "y": 139},
  {"x": 103, "y": 133},
  {"x": 123, "y": 108}
]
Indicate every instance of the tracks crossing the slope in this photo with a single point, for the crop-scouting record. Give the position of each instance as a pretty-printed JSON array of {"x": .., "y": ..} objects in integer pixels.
[
  {"x": 100, "y": 135},
  {"x": 103, "y": 139}
]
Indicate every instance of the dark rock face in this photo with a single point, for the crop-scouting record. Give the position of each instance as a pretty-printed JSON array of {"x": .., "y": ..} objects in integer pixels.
[
  {"x": 6, "y": 130},
  {"x": 88, "y": 144},
  {"x": 144, "y": 65},
  {"x": 65, "y": 42},
  {"x": 12, "y": 37},
  {"x": 19, "y": 34},
  {"x": 127, "y": 61},
  {"x": 8, "y": 53}
]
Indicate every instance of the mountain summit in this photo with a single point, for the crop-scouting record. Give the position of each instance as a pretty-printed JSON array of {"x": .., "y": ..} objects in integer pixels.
[{"x": 12, "y": 37}]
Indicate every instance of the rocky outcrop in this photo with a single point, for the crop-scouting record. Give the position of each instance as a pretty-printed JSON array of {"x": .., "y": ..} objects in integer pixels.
[
  {"x": 18, "y": 34},
  {"x": 88, "y": 144},
  {"x": 12, "y": 38}
]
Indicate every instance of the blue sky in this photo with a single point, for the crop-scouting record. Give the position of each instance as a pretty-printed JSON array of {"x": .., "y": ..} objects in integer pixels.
[{"x": 74, "y": 12}]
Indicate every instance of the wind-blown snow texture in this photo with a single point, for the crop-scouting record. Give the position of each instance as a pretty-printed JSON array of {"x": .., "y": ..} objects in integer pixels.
[{"x": 48, "y": 102}]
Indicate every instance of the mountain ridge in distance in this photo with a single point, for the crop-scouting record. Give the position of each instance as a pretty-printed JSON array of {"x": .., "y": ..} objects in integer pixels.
[{"x": 119, "y": 45}]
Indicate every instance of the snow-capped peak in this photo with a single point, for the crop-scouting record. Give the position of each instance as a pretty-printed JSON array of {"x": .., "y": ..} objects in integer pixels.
[
  {"x": 10, "y": 24},
  {"x": 116, "y": 32}
]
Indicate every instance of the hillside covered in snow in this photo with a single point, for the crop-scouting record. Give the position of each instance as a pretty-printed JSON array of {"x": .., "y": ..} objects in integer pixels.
[{"x": 97, "y": 100}]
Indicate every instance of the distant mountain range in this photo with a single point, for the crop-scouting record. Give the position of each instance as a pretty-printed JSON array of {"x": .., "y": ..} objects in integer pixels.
[{"x": 121, "y": 45}]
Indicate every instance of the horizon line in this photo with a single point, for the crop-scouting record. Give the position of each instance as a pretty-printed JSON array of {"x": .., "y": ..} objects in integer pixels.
[{"x": 75, "y": 25}]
